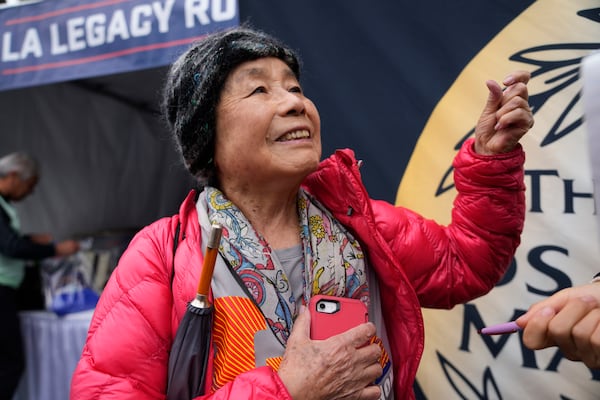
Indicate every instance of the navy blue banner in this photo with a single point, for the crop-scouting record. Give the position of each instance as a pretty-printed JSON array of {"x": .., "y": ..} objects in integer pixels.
[{"x": 55, "y": 41}]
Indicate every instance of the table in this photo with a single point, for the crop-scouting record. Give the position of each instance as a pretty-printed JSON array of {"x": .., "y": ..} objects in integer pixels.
[{"x": 53, "y": 347}]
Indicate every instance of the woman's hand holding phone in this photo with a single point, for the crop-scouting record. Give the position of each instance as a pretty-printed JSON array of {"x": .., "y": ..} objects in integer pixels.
[{"x": 340, "y": 367}]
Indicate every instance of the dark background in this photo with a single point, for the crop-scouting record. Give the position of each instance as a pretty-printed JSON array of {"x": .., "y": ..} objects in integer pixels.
[{"x": 375, "y": 70}]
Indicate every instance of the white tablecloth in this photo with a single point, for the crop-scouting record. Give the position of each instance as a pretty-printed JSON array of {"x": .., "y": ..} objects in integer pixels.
[{"x": 53, "y": 346}]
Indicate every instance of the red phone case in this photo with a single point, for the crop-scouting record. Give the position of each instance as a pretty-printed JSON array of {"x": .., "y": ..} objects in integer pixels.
[{"x": 349, "y": 313}]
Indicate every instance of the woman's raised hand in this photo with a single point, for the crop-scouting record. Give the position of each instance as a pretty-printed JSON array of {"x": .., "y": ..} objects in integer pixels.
[{"x": 506, "y": 116}]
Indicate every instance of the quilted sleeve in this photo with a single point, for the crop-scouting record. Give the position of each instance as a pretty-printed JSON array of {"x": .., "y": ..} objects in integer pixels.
[
  {"x": 261, "y": 383},
  {"x": 454, "y": 264},
  {"x": 126, "y": 351}
]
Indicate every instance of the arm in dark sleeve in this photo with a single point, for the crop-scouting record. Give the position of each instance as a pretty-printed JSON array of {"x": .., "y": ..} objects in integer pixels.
[{"x": 15, "y": 245}]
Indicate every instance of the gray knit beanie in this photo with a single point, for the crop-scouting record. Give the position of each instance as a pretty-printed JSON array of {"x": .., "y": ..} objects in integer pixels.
[{"x": 193, "y": 88}]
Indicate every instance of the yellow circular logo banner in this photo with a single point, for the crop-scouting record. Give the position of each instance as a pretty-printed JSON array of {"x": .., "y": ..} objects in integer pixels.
[{"x": 560, "y": 243}]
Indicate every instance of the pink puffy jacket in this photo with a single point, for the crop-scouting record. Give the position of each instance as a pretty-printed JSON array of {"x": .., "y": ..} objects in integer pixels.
[{"x": 419, "y": 264}]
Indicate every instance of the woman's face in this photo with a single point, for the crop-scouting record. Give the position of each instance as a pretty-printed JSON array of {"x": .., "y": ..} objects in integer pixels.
[{"x": 267, "y": 131}]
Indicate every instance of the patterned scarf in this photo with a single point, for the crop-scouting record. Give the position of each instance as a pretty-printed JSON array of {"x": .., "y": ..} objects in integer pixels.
[{"x": 333, "y": 260}]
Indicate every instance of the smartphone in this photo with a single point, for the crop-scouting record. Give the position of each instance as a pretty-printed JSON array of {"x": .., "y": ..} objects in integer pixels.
[{"x": 330, "y": 315}]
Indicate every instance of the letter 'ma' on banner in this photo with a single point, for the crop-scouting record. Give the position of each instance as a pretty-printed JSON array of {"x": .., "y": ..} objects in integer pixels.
[{"x": 54, "y": 41}]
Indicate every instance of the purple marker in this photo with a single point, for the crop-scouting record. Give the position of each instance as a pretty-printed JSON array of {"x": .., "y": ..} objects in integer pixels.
[{"x": 507, "y": 327}]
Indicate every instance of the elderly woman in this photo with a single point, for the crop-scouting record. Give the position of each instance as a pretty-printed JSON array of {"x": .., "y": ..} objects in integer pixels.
[{"x": 294, "y": 227}]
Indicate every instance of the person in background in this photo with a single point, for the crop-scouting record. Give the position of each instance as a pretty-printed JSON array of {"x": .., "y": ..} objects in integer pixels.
[
  {"x": 570, "y": 320},
  {"x": 19, "y": 175},
  {"x": 295, "y": 226}
]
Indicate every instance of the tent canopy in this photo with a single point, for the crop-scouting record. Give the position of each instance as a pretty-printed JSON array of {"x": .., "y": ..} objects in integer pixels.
[{"x": 80, "y": 89}]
